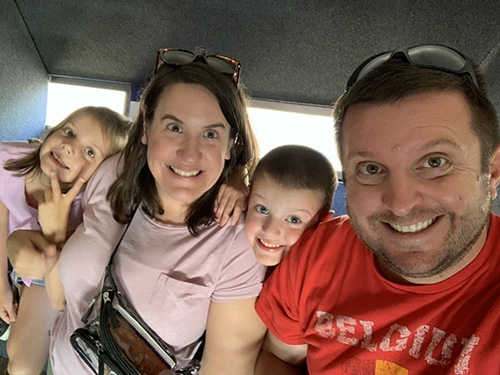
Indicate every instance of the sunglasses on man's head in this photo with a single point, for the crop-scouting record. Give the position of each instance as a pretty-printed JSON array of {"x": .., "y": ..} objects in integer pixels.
[
  {"x": 223, "y": 64},
  {"x": 430, "y": 56}
]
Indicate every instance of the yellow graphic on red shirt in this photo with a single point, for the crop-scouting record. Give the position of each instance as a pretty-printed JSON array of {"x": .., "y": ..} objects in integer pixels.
[{"x": 389, "y": 368}]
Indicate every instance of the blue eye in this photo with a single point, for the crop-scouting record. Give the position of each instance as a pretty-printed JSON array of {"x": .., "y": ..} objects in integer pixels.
[
  {"x": 262, "y": 209},
  {"x": 294, "y": 220}
]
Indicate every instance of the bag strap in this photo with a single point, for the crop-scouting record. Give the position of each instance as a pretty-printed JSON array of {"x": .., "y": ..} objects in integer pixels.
[
  {"x": 108, "y": 275},
  {"x": 134, "y": 210}
]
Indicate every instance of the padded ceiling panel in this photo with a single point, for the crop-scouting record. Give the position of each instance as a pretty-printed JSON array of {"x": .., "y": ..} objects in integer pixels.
[{"x": 298, "y": 51}]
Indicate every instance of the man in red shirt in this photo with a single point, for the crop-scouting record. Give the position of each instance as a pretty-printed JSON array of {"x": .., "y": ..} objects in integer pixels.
[{"x": 409, "y": 283}]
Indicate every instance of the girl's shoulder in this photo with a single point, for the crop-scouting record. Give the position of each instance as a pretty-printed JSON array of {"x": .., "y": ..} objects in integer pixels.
[{"x": 14, "y": 150}]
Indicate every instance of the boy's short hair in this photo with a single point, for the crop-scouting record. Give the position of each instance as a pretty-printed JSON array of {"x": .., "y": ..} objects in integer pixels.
[{"x": 300, "y": 167}]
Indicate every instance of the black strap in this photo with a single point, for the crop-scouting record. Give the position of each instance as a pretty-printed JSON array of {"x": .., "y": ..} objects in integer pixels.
[
  {"x": 109, "y": 276},
  {"x": 134, "y": 210}
]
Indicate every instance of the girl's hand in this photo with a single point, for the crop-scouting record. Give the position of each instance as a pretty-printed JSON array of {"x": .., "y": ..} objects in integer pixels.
[
  {"x": 8, "y": 309},
  {"x": 31, "y": 255},
  {"x": 53, "y": 213},
  {"x": 231, "y": 202}
]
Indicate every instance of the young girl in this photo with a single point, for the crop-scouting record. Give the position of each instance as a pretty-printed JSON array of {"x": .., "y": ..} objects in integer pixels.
[
  {"x": 291, "y": 191},
  {"x": 38, "y": 189}
]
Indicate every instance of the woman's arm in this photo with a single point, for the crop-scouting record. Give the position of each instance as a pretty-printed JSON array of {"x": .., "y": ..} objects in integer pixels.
[
  {"x": 233, "y": 339},
  {"x": 7, "y": 308},
  {"x": 278, "y": 358}
]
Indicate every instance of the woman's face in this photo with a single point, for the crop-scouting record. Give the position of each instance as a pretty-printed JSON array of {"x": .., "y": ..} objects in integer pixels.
[{"x": 188, "y": 143}]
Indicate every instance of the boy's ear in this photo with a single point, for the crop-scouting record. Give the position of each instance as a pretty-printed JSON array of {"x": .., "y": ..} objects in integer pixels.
[{"x": 494, "y": 172}]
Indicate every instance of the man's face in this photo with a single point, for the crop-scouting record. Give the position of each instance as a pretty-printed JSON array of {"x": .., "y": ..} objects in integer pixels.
[{"x": 415, "y": 193}]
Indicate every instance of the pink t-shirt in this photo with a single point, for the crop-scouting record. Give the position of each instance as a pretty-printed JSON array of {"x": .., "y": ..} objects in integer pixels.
[
  {"x": 328, "y": 294},
  {"x": 167, "y": 275}
]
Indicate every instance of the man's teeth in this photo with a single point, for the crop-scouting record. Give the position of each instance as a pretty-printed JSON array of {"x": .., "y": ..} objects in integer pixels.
[
  {"x": 269, "y": 245},
  {"x": 412, "y": 228},
  {"x": 184, "y": 173}
]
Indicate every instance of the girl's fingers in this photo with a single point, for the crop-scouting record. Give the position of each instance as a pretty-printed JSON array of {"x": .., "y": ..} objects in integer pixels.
[
  {"x": 75, "y": 189},
  {"x": 54, "y": 183}
]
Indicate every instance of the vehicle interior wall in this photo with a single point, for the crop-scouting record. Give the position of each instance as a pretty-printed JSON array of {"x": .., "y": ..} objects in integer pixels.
[{"x": 24, "y": 79}]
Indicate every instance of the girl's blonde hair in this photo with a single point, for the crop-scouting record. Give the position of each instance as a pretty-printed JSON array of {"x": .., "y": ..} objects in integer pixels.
[{"x": 115, "y": 128}]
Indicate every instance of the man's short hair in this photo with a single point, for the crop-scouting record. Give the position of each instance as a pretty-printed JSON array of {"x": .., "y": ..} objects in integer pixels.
[{"x": 397, "y": 79}]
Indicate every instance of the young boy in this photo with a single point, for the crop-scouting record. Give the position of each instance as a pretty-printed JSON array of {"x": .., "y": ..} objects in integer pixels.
[{"x": 291, "y": 190}]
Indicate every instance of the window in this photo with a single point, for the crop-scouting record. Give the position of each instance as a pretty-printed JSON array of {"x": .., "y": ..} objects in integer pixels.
[
  {"x": 277, "y": 124},
  {"x": 274, "y": 123},
  {"x": 68, "y": 94}
]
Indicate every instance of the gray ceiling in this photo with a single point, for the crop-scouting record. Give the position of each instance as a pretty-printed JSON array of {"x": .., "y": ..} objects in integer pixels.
[{"x": 295, "y": 51}]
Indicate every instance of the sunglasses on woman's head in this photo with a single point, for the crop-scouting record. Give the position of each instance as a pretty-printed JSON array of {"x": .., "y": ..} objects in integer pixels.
[
  {"x": 223, "y": 64},
  {"x": 430, "y": 56}
]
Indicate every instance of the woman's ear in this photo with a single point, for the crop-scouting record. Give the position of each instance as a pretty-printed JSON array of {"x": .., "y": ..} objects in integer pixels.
[
  {"x": 232, "y": 143},
  {"x": 495, "y": 172},
  {"x": 144, "y": 138}
]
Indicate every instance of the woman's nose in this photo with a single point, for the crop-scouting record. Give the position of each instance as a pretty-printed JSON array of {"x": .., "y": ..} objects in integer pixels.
[{"x": 189, "y": 149}]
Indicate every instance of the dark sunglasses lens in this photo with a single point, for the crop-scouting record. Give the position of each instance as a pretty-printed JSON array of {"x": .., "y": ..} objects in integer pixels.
[
  {"x": 222, "y": 65},
  {"x": 437, "y": 56},
  {"x": 177, "y": 57},
  {"x": 373, "y": 64}
]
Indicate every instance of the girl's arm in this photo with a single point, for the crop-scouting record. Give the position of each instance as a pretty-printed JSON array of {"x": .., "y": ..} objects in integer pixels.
[
  {"x": 7, "y": 308},
  {"x": 233, "y": 338},
  {"x": 53, "y": 215}
]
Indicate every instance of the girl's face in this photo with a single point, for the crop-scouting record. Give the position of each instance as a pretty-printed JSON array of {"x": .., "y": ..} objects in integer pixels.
[
  {"x": 75, "y": 150},
  {"x": 188, "y": 143}
]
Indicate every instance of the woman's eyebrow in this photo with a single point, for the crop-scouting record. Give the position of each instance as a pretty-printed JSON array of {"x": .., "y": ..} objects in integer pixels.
[{"x": 168, "y": 116}]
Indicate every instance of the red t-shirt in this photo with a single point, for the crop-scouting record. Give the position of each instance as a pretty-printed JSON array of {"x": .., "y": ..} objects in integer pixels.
[{"x": 327, "y": 293}]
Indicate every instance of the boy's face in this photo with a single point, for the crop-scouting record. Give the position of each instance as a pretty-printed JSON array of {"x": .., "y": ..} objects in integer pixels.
[
  {"x": 277, "y": 217},
  {"x": 74, "y": 150}
]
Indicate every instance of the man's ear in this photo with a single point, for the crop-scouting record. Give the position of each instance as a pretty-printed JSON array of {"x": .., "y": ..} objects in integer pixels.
[{"x": 495, "y": 172}]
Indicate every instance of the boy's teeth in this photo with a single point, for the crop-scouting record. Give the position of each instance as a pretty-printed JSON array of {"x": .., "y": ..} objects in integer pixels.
[{"x": 268, "y": 244}]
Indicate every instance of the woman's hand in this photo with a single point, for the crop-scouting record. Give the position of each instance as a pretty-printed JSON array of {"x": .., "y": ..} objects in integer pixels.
[{"x": 231, "y": 202}]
